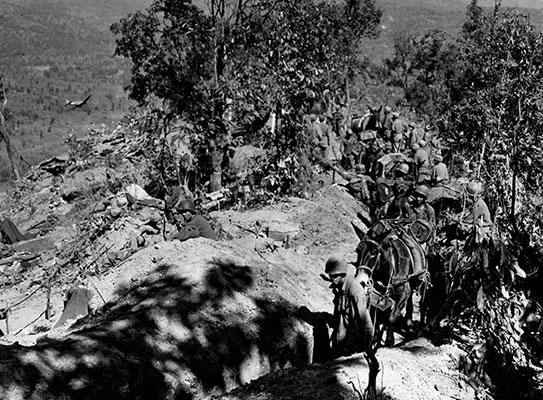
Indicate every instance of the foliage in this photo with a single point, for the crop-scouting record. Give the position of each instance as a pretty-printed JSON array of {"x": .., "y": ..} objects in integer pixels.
[
  {"x": 484, "y": 88},
  {"x": 227, "y": 71}
]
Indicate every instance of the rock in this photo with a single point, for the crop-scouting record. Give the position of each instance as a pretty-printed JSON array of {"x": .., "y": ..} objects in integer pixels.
[
  {"x": 152, "y": 202},
  {"x": 84, "y": 182},
  {"x": 135, "y": 192},
  {"x": 121, "y": 200},
  {"x": 99, "y": 207},
  {"x": 140, "y": 241},
  {"x": 115, "y": 212},
  {"x": 150, "y": 215},
  {"x": 282, "y": 231}
]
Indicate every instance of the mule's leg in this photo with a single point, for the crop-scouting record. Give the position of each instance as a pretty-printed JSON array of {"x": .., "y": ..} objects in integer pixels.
[
  {"x": 374, "y": 368},
  {"x": 402, "y": 293},
  {"x": 409, "y": 310}
]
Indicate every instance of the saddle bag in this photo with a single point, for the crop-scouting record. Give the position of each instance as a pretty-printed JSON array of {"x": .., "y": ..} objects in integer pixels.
[
  {"x": 421, "y": 230},
  {"x": 380, "y": 301}
]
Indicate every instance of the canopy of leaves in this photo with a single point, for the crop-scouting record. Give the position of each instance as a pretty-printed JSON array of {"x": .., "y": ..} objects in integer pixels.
[
  {"x": 228, "y": 69},
  {"x": 483, "y": 89}
]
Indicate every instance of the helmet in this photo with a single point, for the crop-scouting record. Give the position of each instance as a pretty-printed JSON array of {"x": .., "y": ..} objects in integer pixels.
[
  {"x": 422, "y": 143},
  {"x": 415, "y": 147},
  {"x": 474, "y": 188},
  {"x": 422, "y": 190},
  {"x": 438, "y": 158},
  {"x": 186, "y": 205},
  {"x": 360, "y": 169},
  {"x": 388, "y": 109},
  {"x": 403, "y": 168},
  {"x": 335, "y": 265}
]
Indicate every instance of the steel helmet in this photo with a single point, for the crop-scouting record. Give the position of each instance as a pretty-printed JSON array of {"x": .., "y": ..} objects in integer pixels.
[
  {"x": 388, "y": 109},
  {"x": 403, "y": 167},
  {"x": 474, "y": 188},
  {"x": 422, "y": 143},
  {"x": 360, "y": 169},
  {"x": 186, "y": 205},
  {"x": 335, "y": 265},
  {"x": 422, "y": 190}
]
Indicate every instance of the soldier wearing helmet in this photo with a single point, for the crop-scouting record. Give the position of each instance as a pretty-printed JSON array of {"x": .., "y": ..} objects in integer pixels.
[
  {"x": 401, "y": 171},
  {"x": 421, "y": 159},
  {"x": 387, "y": 119},
  {"x": 359, "y": 185},
  {"x": 479, "y": 215},
  {"x": 352, "y": 329},
  {"x": 395, "y": 207},
  {"x": 189, "y": 223},
  {"x": 418, "y": 208},
  {"x": 440, "y": 173}
]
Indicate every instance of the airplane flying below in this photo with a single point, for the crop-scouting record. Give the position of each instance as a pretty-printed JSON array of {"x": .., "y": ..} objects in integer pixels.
[{"x": 77, "y": 104}]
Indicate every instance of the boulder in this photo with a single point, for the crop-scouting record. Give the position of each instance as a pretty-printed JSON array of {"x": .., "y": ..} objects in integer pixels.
[{"x": 85, "y": 182}]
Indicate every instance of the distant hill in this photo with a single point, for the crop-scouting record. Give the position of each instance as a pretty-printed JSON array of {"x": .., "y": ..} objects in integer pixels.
[
  {"x": 405, "y": 17},
  {"x": 60, "y": 26}
]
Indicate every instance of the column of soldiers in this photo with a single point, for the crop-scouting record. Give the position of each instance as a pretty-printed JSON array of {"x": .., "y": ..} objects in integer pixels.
[
  {"x": 393, "y": 171},
  {"x": 391, "y": 168}
]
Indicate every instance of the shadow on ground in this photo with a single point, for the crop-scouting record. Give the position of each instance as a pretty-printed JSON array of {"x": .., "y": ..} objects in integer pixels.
[{"x": 167, "y": 339}]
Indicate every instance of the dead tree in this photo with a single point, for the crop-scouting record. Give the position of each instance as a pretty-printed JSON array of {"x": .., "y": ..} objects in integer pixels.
[{"x": 5, "y": 133}]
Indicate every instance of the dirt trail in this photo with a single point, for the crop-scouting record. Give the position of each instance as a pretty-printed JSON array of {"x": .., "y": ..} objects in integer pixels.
[
  {"x": 199, "y": 318},
  {"x": 418, "y": 370}
]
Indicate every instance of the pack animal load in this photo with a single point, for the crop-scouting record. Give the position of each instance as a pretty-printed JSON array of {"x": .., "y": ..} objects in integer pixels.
[{"x": 392, "y": 253}]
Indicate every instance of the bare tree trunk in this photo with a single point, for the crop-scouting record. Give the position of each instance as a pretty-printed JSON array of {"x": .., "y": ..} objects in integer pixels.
[
  {"x": 215, "y": 181},
  {"x": 12, "y": 153},
  {"x": 217, "y": 8}
]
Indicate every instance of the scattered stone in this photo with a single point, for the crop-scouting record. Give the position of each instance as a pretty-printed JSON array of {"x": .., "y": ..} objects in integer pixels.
[{"x": 115, "y": 212}]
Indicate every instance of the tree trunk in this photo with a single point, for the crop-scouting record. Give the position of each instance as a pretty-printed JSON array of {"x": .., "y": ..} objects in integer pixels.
[
  {"x": 12, "y": 153},
  {"x": 215, "y": 180}
]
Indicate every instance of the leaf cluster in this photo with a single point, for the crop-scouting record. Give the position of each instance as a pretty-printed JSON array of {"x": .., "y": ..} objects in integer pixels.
[
  {"x": 483, "y": 89},
  {"x": 227, "y": 70}
]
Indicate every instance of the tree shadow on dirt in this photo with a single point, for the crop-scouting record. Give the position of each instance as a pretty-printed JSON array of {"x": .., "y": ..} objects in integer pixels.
[{"x": 168, "y": 338}]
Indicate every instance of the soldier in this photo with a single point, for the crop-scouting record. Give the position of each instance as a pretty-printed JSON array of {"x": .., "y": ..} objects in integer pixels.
[
  {"x": 387, "y": 119},
  {"x": 401, "y": 171},
  {"x": 479, "y": 215},
  {"x": 440, "y": 173},
  {"x": 189, "y": 224},
  {"x": 418, "y": 208},
  {"x": 422, "y": 164},
  {"x": 396, "y": 208},
  {"x": 360, "y": 184},
  {"x": 318, "y": 139},
  {"x": 353, "y": 329},
  {"x": 349, "y": 147}
]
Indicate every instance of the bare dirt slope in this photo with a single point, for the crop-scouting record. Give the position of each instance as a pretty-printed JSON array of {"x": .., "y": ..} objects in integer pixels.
[
  {"x": 195, "y": 319},
  {"x": 417, "y": 370}
]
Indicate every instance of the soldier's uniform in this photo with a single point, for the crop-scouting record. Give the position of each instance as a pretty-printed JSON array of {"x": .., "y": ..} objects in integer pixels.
[{"x": 352, "y": 326}]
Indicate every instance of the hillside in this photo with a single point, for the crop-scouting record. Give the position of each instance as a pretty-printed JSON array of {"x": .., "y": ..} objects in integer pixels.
[
  {"x": 186, "y": 320},
  {"x": 57, "y": 50}
]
